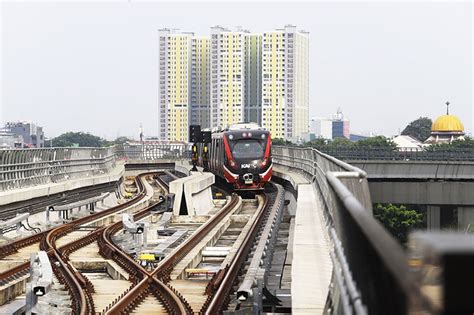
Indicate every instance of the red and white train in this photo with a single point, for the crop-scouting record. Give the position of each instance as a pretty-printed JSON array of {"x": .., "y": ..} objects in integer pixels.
[{"x": 241, "y": 154}]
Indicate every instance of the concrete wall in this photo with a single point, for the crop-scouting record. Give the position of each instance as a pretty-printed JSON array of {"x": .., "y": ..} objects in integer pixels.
[
  {"x": 387, "y": 169},
  {"x": 195, "y": 190},
  {"x": 423, "y": 193},
  {"x": 16, "y": 195}
]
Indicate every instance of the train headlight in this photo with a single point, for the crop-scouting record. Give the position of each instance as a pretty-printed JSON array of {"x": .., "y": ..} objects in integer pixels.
[
  {"x": 231, "y": 137},
  {"x": 263, "y": 136}
]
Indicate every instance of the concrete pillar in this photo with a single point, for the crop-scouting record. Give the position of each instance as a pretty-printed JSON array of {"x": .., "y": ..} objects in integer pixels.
[
  {"x": 466, "y": 217},
  {"x": 433, "y": 220}
]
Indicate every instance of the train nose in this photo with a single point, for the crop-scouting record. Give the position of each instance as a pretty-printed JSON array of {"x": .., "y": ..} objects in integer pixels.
[{"x": 248, "y": 178}]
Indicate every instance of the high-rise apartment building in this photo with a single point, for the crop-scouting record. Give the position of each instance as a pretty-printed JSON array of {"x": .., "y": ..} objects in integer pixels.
[
  {"x": 234, "y": 76},
  {"x": 175, "y": 73},
  {"x": 285, "y": 82},
  {"x": 227, "y": 76},
  {"x": 200, "y": 81},
  {"x": 253, "y": 78}
]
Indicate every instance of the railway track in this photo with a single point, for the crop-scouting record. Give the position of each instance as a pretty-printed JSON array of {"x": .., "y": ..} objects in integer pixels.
[
  {"x": 159, "y": 282},
  {"x": 150, "y": 291},
  {"x": 78, "y": 286},
  {"x": 9, "y": 211}
]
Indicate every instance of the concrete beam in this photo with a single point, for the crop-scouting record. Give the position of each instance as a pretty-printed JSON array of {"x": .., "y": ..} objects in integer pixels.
[
  {"x": 17, "y": 195},
  {"x": 466, "y": 218},
  {"x": 176, "y": 187},
  {"x": 198, "y": 194},
  {"x": 427, "y": 193},
  {"x": 447, "y": 170},
  {"x": 196, "y": 191},
  {"x": 434, "y": 217}
]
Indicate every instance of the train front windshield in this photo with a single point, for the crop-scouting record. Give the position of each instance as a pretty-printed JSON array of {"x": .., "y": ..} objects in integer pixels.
[{"x": 248, "y": 149}]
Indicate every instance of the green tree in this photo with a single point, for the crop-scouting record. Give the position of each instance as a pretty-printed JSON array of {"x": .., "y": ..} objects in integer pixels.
[
  {"x": 468, "y": 142},
  {"x": 378, "y": 141},
  {"x": 341, "y": 142},
  {"x": 280, "y": 141},
  {"x": 398, "y": 219},
  {"x": 316, "y": 143},
  {"x": 419, "y": 128},
  {"x": 120, "y": 140},
  {"x": 466, "y": 146},
  {"x": 81, "y": 139}
]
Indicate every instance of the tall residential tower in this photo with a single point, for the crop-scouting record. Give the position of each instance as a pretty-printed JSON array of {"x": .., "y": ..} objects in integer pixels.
[
  {"x": 285, "y": 82},
  {"x": 200, "y": 81},
  {"x": 234, "y": 76},
  {"x": 227, "y": 76},
  {"x": 253, "y": 78},
  {"x": 174, "y": 97}
]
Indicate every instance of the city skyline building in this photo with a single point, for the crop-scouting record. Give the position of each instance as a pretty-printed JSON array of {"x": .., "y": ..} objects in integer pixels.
[
  {"x": 234, "y": 76},
  {"x": 200, "y": 81},
  {"x": 227, "y": 76},
  {"x": 174, "y": 81},
  {"x": 331, "y": 128},
  {"x": 285, "y": 82},
  {"x": 253, "y": 78},
  {"x": 22, "y": 134}
]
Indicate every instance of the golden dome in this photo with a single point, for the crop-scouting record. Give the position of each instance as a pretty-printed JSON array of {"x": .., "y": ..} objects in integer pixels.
[{"x": 447, "y": 123}]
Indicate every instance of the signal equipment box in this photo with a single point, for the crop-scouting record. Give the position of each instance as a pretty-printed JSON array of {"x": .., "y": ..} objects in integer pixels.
[
  {"x": 206, "y": 137},
  {"x": 194, "y": 133}
]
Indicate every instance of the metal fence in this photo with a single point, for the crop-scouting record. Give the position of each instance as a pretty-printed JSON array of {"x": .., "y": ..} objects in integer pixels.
[
  {"x": 370, "y": 270},
  {"x": 21, "y": 168},
  {"x": 150, "y": 152},
  {"x": 350, "y": 153}
]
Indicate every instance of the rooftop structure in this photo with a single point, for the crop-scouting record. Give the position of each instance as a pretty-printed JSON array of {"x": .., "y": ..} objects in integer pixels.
[
  {"x": 331, "y": 128},
  {"x": 446, "y": 129},
  {"x": 407, "y": 143},
  {"x": 32, "y": 134}
]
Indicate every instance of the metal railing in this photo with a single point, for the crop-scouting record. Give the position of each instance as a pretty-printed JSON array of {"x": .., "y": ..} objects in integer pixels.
[
  {"x": 370, "y": 273},
  {"x": 150, "y": 152},
  {"x": 351, "y": 153},
  {"x": 21, "y": 168}
]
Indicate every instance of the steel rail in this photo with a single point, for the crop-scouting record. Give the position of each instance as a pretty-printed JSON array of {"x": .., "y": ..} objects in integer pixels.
[
  {"x": 173, "y": 302},
  {"x": 217, "y": 301},
  {"x": 167, "y": 264},
  {"x": 76, "y": 284},
  {"x": 81, "y": 304},
  {"x": 39, "y": 203},
  {"x": 159, "y": 277},
  {"x": 268, "y": 231}
]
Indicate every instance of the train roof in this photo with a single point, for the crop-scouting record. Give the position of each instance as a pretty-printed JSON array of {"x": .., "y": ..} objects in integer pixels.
[
  {"x": 239, "y": 134},
  {"x": 244, "y": 126}
]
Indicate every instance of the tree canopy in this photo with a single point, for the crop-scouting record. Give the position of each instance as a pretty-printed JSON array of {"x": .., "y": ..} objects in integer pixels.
[
  {"x": 398, "y": 219},
  {"x": 81, "y": 139},
  {"x": 419, "y": 129},
  {"x": 378, "y": 141},
  {"x": 456, "y": 145},
  {"x": 119, "y": 140},
  {"x": 280, "y": 141},
  {"x": 84, "y": 139}
]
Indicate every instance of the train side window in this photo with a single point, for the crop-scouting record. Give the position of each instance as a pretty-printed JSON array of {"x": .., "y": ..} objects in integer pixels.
[{"x": 213, "y": 152}]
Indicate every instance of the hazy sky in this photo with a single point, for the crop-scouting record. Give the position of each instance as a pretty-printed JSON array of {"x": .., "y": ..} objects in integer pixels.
[{"x": 94, "y": 66}]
